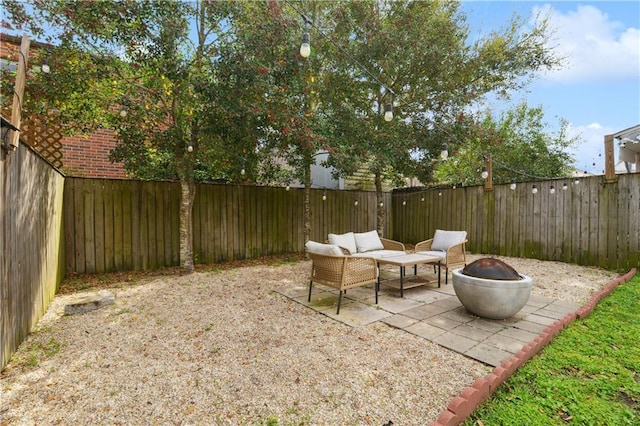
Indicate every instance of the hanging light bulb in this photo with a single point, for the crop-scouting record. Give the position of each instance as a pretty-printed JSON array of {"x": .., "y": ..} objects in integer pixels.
[
  {"x": 45, "y": 66},
  {"x": 444, "y": 152},
  {"x": 388, "y": 112},
  {"x": 287, "y": 188},
  {"x": 577, "y": 181},
  {"x": 305, "y": 47},
  {"x": 324, "y": 197},
  {"x": 422, "y": 199},
  {"x": 242, "y": 171},
  {"x": 513, "y": 184},
  {"x": 381, "y": 204},
  {"x": 439, "y": 193},
  {"x": 552, "y": 190},
  {"x": 404, "y": 202},
  {"x": 123, "y": 112},
  {"x": 485, "y": 173},
  {"x": 534, "y": 189},
  {"x": 565, "y": 186},
  {"x": 355, "y": 203},
  {"x": 189, "y": 146}
]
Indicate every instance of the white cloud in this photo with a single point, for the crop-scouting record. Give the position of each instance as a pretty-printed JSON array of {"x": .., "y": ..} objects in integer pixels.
[{"x": 595, "y": 47}]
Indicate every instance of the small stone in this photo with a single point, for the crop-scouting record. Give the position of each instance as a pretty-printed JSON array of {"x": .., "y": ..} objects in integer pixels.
[{"x": 90, "y": 303}]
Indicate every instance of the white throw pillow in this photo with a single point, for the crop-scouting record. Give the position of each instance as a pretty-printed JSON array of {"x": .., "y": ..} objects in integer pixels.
[
  {"x": 367, "y": 241},
  {"x": 319, "y": 248},
  {"x": 442, "y": 240},
  {"x": 347, "y": 241}
]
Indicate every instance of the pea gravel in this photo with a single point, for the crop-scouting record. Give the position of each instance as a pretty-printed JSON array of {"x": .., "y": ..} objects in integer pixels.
[{"x": 224, "y": 348}]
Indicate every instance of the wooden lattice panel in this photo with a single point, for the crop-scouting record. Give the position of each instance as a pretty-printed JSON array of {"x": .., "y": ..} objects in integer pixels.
[{"x": 45, "y": 139}]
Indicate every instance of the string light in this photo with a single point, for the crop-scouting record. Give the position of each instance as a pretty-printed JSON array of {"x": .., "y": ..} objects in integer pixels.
[
  {"x": 189, "y": 146},
  {"x": 534, "y": 189},
  {"x": 512, "y": 185},
  {"x": 485, "y": 173},
  {"x": 324, "y": 197},
  {"x": 388, "y": 112},
  {"x": 355, "y": 203},
  {"x": 45, "y": 66},
  {"x": 565, "y": 186},
  {"x": 444, "y": 152},
  {"x": 552, "y": 190},
  {"x": 305, "y": 47}
]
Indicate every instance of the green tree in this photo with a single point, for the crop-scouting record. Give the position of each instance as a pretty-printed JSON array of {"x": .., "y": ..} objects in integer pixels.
[
  {"x": 418, "y": 56},
  {"x": 148, "y": 58},
  {"x": 517, "y": 143}
]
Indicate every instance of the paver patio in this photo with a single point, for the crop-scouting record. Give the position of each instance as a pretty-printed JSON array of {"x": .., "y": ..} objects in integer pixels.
[{"x": 437, "y": 315}]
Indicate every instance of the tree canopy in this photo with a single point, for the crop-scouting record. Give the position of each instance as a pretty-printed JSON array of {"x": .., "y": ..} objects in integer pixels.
[{"x": 205, "y": 90}]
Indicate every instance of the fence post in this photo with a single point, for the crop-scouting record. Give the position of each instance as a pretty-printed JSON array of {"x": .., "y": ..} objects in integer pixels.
[{"x": 609, "y": 167}]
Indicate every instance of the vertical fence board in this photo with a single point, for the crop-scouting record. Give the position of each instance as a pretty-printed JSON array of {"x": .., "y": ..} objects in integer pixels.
[
  {"x": 98, "y": 225},
  {"x": 118, "y": 222},
  {"x": 127, "y": 226},
  {"x": 633, "y": 215},
  {"x": 109, "y": 231},
  {"x": 69, "y": 226}
]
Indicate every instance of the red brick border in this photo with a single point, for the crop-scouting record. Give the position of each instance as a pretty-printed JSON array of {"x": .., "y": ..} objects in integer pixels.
[{"x": 461, "y": 407}]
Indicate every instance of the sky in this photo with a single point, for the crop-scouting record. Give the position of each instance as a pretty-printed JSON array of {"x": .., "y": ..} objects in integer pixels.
[{"x": 598, "y": 90}]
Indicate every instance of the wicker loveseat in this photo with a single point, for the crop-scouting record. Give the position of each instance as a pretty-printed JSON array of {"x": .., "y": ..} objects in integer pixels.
[{"x": 332, "y": 268}]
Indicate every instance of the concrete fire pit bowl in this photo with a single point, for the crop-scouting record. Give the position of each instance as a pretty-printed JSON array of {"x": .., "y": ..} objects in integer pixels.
[{"x": 488, "y": 297}]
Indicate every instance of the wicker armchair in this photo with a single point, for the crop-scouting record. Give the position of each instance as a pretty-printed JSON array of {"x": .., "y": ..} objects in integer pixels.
[
  {"x": 392, "y": 244},
  {"x": 450, "y": 244},
  {"x": 342, "y": 272}
]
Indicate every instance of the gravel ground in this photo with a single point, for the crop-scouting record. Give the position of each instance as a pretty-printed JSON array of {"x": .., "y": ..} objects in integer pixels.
[{"x": 223, "y": 347}]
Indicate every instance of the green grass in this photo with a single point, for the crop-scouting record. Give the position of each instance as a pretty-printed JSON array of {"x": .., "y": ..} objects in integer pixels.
[
  {"x": 588, "y": 375},
  {"x": 35, "y": 352}
]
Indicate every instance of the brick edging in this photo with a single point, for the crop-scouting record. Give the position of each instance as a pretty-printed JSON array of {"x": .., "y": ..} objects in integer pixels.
[{"x": 461, "y": 406}]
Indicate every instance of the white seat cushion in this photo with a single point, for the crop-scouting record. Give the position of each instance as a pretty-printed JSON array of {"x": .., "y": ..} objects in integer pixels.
[
  {"x": 440, "y": 253},
  {"x": 319, "y": 248},
  {"x": 380, "y": 253},
  {"x": 368, "y": 241},
  {"x": 347, "y": 241},
  {"x": 442, "y": 240}
]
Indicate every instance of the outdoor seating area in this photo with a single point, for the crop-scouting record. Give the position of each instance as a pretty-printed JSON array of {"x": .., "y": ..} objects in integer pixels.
[{"x": 353, "y": 260}]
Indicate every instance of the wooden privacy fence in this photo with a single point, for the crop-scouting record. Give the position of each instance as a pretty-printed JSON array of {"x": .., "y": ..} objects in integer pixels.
[
  {"x": 116, "y": 225},
  {"x": 589, "y": 223},
  {"x": 32, "y": 256}
]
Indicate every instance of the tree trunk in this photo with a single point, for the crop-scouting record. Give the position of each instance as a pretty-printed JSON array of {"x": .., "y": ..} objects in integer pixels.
[
  {"x": 187, "y": 195},
  {"x": 306, "y": 201},
  {"x": 380, "y": 207}
]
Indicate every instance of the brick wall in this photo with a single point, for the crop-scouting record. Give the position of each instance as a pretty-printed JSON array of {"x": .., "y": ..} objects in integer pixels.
[
  {"x": 81, "y": 156},
  {"x": 89, "y": 157}
]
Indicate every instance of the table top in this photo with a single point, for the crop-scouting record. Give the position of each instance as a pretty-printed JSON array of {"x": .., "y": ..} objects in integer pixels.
[{"x": 409, "y": 259}]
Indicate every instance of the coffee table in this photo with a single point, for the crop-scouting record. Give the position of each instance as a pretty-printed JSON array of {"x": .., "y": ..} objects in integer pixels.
[{"x": 405, "y": 260}]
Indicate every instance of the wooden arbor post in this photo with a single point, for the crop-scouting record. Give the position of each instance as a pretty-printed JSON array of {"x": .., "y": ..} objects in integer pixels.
[
  {"x": 609, "y": 166},
  {"x": 488, "y": 182},
  {"x": 18, "y": 91}
]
